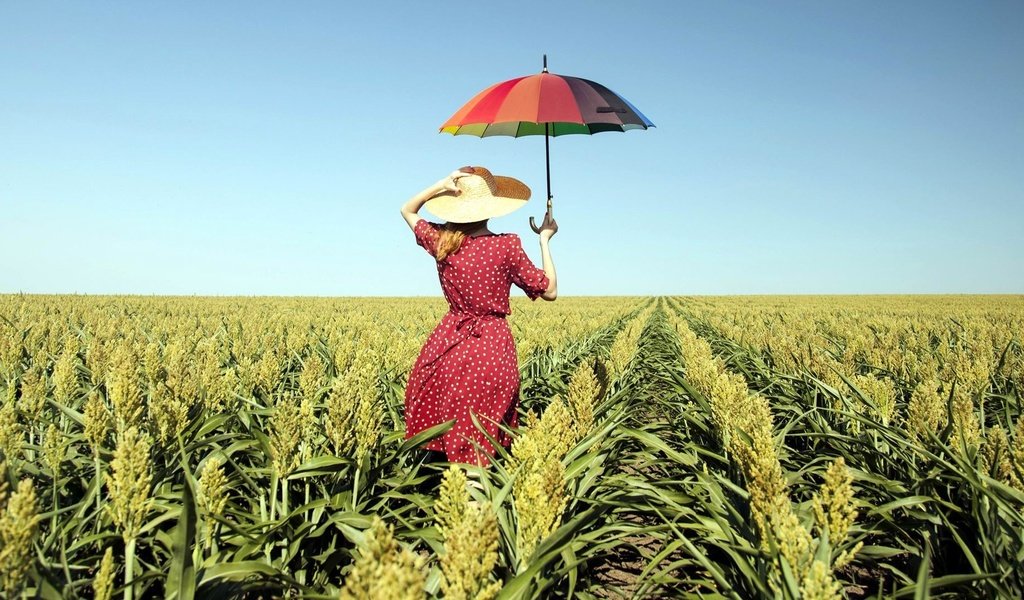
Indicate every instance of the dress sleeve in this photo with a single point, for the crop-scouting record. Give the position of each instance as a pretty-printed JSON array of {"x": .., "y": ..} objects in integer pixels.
[
  {"x": 426, "y": 235},
  {"x": 524, "y": 274}
]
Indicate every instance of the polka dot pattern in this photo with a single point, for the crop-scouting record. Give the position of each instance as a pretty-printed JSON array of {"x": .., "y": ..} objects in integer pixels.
[{"x": 468, "y": 365}]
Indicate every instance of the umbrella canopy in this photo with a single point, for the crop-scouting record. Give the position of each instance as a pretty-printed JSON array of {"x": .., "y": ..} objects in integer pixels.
[{"x": 545, "y": 104}]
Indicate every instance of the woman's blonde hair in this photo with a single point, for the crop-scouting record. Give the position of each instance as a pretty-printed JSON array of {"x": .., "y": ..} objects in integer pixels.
[{"x": 450, "y": 239}]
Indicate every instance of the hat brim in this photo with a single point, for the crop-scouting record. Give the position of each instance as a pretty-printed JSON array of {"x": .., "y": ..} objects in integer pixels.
[{"x": 470, "y": 207}]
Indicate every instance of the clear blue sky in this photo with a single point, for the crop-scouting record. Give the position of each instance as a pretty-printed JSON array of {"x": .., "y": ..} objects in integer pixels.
[{"x": 264, "y": 148}]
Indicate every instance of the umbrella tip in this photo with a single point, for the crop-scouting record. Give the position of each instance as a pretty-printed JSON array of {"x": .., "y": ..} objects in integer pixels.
[{"x": 545, "y": 64}]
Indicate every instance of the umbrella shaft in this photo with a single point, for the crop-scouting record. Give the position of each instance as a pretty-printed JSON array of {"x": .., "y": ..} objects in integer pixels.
[{"x": 547, "y": 159}]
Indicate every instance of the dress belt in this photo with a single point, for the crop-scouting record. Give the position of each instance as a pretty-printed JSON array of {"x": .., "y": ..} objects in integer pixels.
[{"x": 467, "y": 322}]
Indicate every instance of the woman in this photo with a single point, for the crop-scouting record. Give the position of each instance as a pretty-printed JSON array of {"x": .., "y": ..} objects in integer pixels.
[{"x": 468, "y": 365}]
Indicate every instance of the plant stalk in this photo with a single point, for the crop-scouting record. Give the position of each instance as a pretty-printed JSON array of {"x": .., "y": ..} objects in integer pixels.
[{"x": 129, "y": 569}]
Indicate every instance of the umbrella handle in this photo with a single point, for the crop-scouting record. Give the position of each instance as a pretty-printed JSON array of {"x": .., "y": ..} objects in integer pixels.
[{"x": 533, "y": 224}]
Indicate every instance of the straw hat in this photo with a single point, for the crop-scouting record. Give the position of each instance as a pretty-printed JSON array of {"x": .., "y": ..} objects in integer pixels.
[{"x": 483, "y": 196}]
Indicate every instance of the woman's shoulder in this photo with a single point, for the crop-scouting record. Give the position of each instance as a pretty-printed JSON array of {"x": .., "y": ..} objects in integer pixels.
[
  {"x": 425, "y": 225},
  {"x": 509, "y": 240}
]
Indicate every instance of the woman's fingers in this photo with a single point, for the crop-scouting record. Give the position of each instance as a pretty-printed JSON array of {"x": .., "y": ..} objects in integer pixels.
[
  {"x": 462, "y": 172},
  {"x": 451, "y": 184},
  {"x": 549, "y": 224}
]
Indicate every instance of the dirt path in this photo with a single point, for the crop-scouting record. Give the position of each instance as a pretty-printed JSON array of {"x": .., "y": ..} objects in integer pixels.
[{"x": 619, "y": 575}]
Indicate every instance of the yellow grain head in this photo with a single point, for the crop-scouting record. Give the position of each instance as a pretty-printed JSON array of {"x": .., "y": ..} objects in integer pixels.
[
  {"x": 826, "y": 368},
  {"x": 10, "y": 352},
  {"x": 33, "y": 392},
  {"x": 792, "y": 538},
  {"x": 384, "y": 569},
  {"x": 833, "y": 504},
  {"x": 972, "y": 369},
  {"x": 151, "y": 363},
  {"x": 354, "y": 416},
  {"x": 1017, "y": 455},
  {"x": 453, "y": 499},
  {"x": 701, "y": 368},
  {"x": 128, "y": 482},
  {"x": 820, "y": 584},
  {"x": 926, "y": 412},
  {"x": 311, "y": 379},
  {"x": 368, "y": 421},
  {"x": 104, "y": 581},
  {"x": 98, "y": 422},
  {"x": 966, "y": 429},
  {"x": 620, "y": 354},
  {"x": 558, "y": 428},
  {"x": 286, "y": 428},
  {"x": 268, "y": 370},
  {"x": 11, "y": 432},
  {"x": 55, "y": 447},
  {"x": 179, "y": 362},
  {"x": 470, "y": 533},
  {"x": 339, "y": 419},
  {"x": 40, "y": 353},
  {"x": 539, "y": 499},
  {"x": 211, "y": 376},
  {"x": 247, "y": 377},
  {"x": 224, "y": 395},
  {"x": 124, "y": 387},
  {"x": 882, "y": 392},
  {"x": 213, "y": 487},
  {"x": 212, "y": 494},
  {"x": 728, "y": 398},
  {"x": 19, "y": 520},
  {"x": 65, "y": 376},
  {"x": 96, "y": 357},
  {"x": 582, "y": 394},
  {"x": 344, "y": 352},
  {"x": 168, "y": 413},
  {"x": 995, "y": 457},
  {"x": 763, "y": 473}
]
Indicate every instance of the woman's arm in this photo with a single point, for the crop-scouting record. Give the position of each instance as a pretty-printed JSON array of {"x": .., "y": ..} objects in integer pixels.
[
  {"x": 547, "y": 229},
  {"x": 413, "y": 206}
]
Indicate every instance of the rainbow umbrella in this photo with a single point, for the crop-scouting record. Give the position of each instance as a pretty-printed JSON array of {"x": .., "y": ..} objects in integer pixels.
[{"x": 545, "y": 104}]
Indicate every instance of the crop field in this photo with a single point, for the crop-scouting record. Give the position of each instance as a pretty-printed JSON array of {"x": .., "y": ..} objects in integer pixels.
[{"x": 808, "y": 447}]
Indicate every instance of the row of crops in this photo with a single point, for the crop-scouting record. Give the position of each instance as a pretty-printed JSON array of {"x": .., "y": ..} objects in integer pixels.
[
  {"x": 878, "y": 442},
  {"x": 671, "y": 447}
]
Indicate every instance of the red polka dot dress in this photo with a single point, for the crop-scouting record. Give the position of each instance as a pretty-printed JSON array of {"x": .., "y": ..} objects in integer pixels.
[{"x": 468, "y": 364}]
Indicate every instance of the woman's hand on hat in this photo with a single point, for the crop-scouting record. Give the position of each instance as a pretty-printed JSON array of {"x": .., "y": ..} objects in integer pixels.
[{"x": 449, "y": 184}]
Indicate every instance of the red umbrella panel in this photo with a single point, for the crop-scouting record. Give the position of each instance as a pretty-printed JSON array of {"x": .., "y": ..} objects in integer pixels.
[{"x": 545, "y": 104}]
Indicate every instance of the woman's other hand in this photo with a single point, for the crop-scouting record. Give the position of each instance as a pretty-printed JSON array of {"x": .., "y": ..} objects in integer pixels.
[{"x": 549, "y": 227}]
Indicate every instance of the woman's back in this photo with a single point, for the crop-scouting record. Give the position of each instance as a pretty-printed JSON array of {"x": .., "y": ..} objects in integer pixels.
[{"x": 477, "y": 277}]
